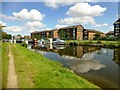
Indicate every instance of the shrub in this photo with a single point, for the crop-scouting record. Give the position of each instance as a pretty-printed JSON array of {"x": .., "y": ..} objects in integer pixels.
[
  {"x": 24, "y": 44},
  {"x": 73, "y": 44},
  {"x": 99, "y": 42}
]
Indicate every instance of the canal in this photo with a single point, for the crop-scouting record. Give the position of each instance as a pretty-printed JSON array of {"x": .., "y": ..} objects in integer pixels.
[{"x": 98, "y": 65}]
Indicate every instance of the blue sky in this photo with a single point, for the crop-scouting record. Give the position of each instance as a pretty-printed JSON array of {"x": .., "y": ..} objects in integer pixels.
[{"x": 26, "y": 17}]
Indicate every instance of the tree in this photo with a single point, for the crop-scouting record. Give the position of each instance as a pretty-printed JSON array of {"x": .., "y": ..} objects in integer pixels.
[
  {"x": 37, "y": 37},
  {"x": 61, "y": 34},
  {"x": 19, "y": 35},
  {"x": 6, "y": 36},
  {"x": 96, "y": 36}
]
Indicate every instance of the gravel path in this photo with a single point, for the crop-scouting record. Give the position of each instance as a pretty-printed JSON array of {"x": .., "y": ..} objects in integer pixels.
[{"x": 12, "y": 78}]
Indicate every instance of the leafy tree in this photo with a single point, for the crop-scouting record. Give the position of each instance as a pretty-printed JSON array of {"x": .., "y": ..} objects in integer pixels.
[
  {"x": 61, "y": 34},
  {"x": 19, "y": 35},
  {"x": 6, "y": 36},
  {"x": 9, "y": 36},
  {"x": 97, "y": 36},
  {"x": 67, "y": 35},
  {"x": 0, "y": 33},
  {"x": 37, "y": 37}
]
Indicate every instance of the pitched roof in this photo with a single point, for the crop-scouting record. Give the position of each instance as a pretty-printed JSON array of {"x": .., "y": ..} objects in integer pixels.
[
  {"x": 95, "y": 31},
  {"x": 110, "y": 33}
]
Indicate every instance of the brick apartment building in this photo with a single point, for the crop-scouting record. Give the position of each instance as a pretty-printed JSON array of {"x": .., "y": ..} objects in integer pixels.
[
  {"x": 45, "y": 34},
  {"x": 76, "y": 32},
  {"x": 89, "y": 34},
  {"x": 71, "y": 32},
  {"x": 117, "y": 28}
]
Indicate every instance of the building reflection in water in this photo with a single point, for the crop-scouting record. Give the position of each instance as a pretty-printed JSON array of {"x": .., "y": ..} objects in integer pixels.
[
  {"x": 116, "y": 57},
  {"x": 93, "y": 63},
  {"x": 79, "y": 58},
  {"x": 75, "y": 51}
]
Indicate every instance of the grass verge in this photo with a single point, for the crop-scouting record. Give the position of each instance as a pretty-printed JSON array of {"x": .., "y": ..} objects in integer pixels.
[
  {"x": 5, "y": 61},
  {"x": 36, "y": 71},
  {"x": 86, "y": 42}
]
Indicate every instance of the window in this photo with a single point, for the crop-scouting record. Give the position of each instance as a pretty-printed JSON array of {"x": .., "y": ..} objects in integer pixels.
[
  {"x": 116, "y": 33},
  {"x": 73, "y": 30},
  {"x": 73, "y": 34},
  {"x": 117, "y": 25},
  {"x": 86, "y": 37},
  {"x": 117, "y": 28}
]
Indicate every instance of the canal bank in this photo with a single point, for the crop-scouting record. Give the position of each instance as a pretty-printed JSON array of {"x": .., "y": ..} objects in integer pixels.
[
  {"x": 36, "y": 71},
  {"x": 95, "y": 43},
  {"x": 97, "y": 64}
]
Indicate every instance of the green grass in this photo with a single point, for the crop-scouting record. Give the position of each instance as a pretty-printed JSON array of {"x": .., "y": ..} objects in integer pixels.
[
  {"x": 35, "y": 71},
  {"x": 0, "y": 64},
  {"x": 93, "y": 42},
  {"x": 5, "y": 58}
]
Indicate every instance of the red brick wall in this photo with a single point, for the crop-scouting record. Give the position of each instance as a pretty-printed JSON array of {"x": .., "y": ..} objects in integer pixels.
[
  {"x": 55, "y": 33},
  {"x": 79, "y": 32}
]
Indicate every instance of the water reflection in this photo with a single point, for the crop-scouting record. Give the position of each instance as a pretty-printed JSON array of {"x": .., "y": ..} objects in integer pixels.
[
  {"x": 116, "y": 57},
  {"x": 77, "y": 58},
  {"x": 71, "y": 52},
  {"x": 77, "y": 52},
  {"x": 84, "y": 66},
  {"x": 99, "y": 65}
]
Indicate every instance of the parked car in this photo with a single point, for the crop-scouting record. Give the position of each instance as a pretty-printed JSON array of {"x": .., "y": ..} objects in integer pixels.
[{"x": 58, "y": 41}]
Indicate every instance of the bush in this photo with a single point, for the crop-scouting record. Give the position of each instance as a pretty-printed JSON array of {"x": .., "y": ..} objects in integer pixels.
[
  {"x": 73, "y": 44},
  {"x": 24, "y": 44},
  {"x": 99, "y": 42}
]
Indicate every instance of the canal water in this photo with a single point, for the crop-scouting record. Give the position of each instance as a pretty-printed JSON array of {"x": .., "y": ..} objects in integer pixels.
[{"x": 98, "y": 65}]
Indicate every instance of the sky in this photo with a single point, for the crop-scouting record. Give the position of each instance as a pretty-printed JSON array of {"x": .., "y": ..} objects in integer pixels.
[{"x": 26, "y": 17}]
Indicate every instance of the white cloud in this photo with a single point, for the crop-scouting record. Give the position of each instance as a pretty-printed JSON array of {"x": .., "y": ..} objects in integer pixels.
[
  {"x": 33, "y": 29},
  {"x": 3, "y": 23},
  {"x": 8, "y": 17},
  {"x": 13, "y": 28},
  {"x": 60, "y": 26},
  {"x": 54, "y": 4},
  {"x": 47, "y": 29},
  {"x": 101, "y": 25},
  {"x": 36, "y": 29},
  {"x": 77, "y": 20},
  {"x": 29, "y": 15},
  {"x": 111, "y": 27},
  {"x": 35, "y": 24},
  {"x": 57, "y": 3},
  {"x": 84, "y": 66},
  {"x": 83, "y": 13},
  {"x": 85, "y": 9},
  {"x": 105, "y": 24}
]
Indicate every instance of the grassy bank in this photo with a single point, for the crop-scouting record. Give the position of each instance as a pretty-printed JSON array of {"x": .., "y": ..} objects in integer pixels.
[
  {"x": 0, "y": 64},
  {"x": 35, "y": 71},
  {"x": 5, "y": 58},
  {"x": 92, "y": 42}
]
